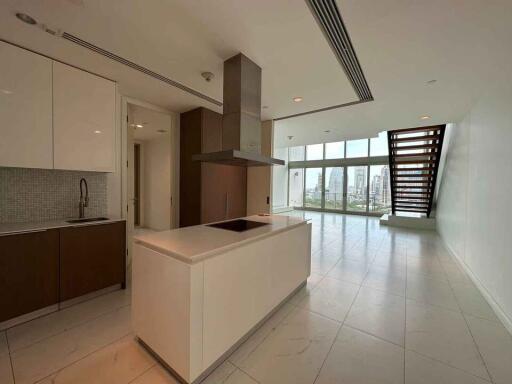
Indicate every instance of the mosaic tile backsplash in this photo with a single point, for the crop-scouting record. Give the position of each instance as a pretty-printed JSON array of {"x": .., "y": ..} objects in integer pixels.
[{"x": 32, "y": 195}]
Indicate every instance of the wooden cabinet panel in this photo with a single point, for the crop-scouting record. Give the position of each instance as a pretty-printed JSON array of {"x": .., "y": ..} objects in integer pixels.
[
  {"x": 25, "y": 109},
  {"x": 84, "y": 108},
  {"x": 29, "y": 272},
  {"x": 91, "y": 258}
]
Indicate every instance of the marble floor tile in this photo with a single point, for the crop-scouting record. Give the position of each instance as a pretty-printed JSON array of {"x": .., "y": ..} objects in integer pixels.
[
  {"x": 422, "y": 370},
  {"x": 331, "y": 298},
  {"x": 428, "y": 267},
  {"x": 6, "y": 376},
  {"x": 380, "y": 314},
  {"x": 294, "y": 352},
  {"x": 117, "y": 363},
  {"x": 39, "y": 329},
  {"x": 227, "y": 373},
  {"x": 361, "y": 254},
  {"x": 245, "y": 350},
  {"x": 350, "y": 271},
  {"x": 391, "y": 260},
  {"x": 472, "y": 302},
  {"x": 359, "y": 358},
  {"x": 34, "y": 362},
  {"x": 456, "y": 275},
  {"x": 442, "y": 335},
  {"x": 311, "y": 284},
  {"x": 155, "y": 375},
  {"x": 386, "y": 279},
  {"x": 431, "y": 291},
  {"x": 495, "y": 345},
  {"x": 322, "y": 263}
]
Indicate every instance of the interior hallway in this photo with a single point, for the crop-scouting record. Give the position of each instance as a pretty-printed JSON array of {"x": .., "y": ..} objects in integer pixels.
[{"x": 383, "y": 305}]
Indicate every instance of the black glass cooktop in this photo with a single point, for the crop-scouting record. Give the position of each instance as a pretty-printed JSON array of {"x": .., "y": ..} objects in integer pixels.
[{"x": 238, "y": 225}]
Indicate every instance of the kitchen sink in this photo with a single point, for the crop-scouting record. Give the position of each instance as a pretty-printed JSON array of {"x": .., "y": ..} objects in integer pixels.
[{"x": 87, "y": 220}]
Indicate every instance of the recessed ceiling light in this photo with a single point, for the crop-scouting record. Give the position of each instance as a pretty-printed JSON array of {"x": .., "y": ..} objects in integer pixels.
[
  {"x": 425, "y": 117},
  {"x": 6, "y": 91},
  {"x": 327, "y": 131},
  {"x": 97, "y": 131},
  {"x": 433, "y": 81},
  {"x": 161, "y": 131},
  {"x": 139, "y": 126},
  {"x": 297, "y": 99},
  {"x": 26, "y": 18}
]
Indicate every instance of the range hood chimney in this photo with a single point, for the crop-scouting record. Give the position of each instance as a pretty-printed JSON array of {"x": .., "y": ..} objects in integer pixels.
[{"x": 241, "y": 121}]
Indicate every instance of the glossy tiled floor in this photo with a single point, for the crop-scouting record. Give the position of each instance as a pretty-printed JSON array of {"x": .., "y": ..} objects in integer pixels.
[{"x": 383, "y": 305}]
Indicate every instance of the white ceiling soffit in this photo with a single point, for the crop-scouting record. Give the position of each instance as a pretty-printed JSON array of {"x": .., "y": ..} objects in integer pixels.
[
  {"x": 178, "y": 39},
  {"x": 402, "y": 45}
]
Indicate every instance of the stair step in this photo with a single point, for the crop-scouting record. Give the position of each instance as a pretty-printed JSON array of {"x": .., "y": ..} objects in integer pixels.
[
  {"x": 400, "y": 162},
  {"x": 416, "y": 138},
  {"x": 412, "y": 205},
  {"x": 410, "y": 147},
  {"x": 414, "y": 176},
  {"x": 403, "y": 170},
  {"x": 415, "y": 198},
  {"x": 413, "y": 187},
  {"x": 416, "y": 130},
  {"x": 411, "y": 210},
  {"x": 429, "y": 154},
  {"x": 410, "y": 193}
]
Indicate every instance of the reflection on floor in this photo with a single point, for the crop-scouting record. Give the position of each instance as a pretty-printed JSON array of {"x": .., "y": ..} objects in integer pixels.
[{"x": 383, "y": 305}]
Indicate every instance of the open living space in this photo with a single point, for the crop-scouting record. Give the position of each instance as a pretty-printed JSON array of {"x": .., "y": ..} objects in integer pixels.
[{"x": 255, "y": 192}]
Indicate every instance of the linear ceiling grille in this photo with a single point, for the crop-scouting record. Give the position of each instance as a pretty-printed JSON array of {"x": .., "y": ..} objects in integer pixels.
[
  {"x": 329, "y": 18},
  {"x": 138, "y": 67}
]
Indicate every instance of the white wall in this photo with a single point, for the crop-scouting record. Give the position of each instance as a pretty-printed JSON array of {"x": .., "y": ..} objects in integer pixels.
[
  {"x": 280, "y": 180},
  {"x": 474, "y": 209},
  {"x": 157, "y": 183}
]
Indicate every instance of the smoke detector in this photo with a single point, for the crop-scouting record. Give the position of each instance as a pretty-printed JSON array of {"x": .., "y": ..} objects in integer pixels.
[{"x": 208, "y": 76}]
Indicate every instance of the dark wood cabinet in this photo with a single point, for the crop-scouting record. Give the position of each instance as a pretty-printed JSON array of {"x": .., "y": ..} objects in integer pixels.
[
  {"x": 91, "y": 258},
  {"x": 208, "y": 192},
  {"x": 29, "y": 272}
]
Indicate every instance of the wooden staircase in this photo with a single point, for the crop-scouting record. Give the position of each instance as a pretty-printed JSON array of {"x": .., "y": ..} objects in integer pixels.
[{"x": 414, "y": 155}]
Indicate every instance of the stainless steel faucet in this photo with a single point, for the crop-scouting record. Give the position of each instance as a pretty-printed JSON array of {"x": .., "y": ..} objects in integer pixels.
[{"x": 84, "y": 201}]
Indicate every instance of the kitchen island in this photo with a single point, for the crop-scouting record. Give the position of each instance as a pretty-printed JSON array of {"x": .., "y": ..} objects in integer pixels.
[{"x": 198, "y": 292}]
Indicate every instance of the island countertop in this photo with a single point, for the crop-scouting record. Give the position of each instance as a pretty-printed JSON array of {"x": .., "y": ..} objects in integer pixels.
[{"x": 196, "y": 243}]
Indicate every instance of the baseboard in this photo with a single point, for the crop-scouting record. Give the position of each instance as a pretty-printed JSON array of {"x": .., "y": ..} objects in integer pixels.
[{"x": 500, "y": 313}]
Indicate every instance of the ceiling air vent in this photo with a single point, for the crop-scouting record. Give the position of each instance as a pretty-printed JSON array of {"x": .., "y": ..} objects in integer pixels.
[
  {"x": 329, "y": 18},
  {"x": 137, "y": 67}
]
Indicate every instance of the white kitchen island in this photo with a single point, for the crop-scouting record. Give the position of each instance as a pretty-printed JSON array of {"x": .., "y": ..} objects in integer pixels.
[{"x": 199, "y": 291}]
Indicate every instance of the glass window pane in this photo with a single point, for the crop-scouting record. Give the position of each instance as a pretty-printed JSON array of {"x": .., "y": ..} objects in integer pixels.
[
  {"x": 315, "y": 152},
  {"x": 297, "y": 153},
  {"x": 379, "y": 145},
  {"x": 335, "y": 150},
  {"x": 357, "y": 148},
  {"x": 380, "y": 191},
  {"x": 357, "y": 188},
  {"x": 313, "y": 188},
  {"x": 296, "y": 187},
  {"x": 334, "y": 188}
]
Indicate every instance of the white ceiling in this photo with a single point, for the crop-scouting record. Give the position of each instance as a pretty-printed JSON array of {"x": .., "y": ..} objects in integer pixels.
[
  {"x": 180, "y": 39},
  {"x": 152, "y": 122},
  {"x": 401, "y": 44}
]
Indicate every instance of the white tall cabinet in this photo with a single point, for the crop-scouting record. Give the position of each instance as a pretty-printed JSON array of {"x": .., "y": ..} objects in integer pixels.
[
  {"x": 25, "y": 109},
  {"x": 54, "y": 116},
  {"x": 83, "y": 120}
]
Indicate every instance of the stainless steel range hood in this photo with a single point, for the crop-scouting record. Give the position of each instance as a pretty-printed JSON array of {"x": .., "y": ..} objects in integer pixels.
[{"x": 241, "y": 122}]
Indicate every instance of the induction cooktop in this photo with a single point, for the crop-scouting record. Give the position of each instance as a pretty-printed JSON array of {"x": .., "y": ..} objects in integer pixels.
[{"x": 238, "y": 225}]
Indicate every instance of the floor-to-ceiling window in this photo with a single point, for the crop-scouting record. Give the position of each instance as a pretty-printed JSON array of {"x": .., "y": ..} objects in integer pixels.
[{"x": 345, "y": 176}]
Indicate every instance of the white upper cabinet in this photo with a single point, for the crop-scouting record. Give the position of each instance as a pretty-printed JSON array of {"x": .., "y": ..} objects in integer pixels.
[
  {"x": 83, "y": 120},
  {"x": 25, "y": 109}
]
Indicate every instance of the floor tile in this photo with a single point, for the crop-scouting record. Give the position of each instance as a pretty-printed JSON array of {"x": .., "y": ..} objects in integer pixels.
[
  {"x": 358, "y": 358},
  {"x": 455, "y": 274},
  {"x": 472, "y": 302},
  {"x": 350, "y": 271},
  {"x": 431, "y": 291},
  {"x": 227, "y": 373},
  {"x": 331, "y": 298},
  {"x": 155, "y": 375},
  {"x": 294, "y": 352},
  {"x": 442, "y": 335},
  {"x": 380, "y": 314},
  {"x": 359, "y": 253},
  {"x": 428, "y": 267},
  {"x": 39, "y": 329},
  {"x": 422, "y": 370},
  {"x": 311, "y": 284},
  {"x": 386, "y": 279},
  {"x": 260, "y": 335},
  {"x": 117, "y": 363},
  {"x": 322, "y": 263},
  {"x": 35, "y": 362},
  {"x": 6, "y": 370},
  {"x": 495, "y": 345}
]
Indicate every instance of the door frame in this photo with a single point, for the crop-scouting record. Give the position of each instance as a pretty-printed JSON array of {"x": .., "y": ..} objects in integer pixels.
[{"x": 174, "y": 147}]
